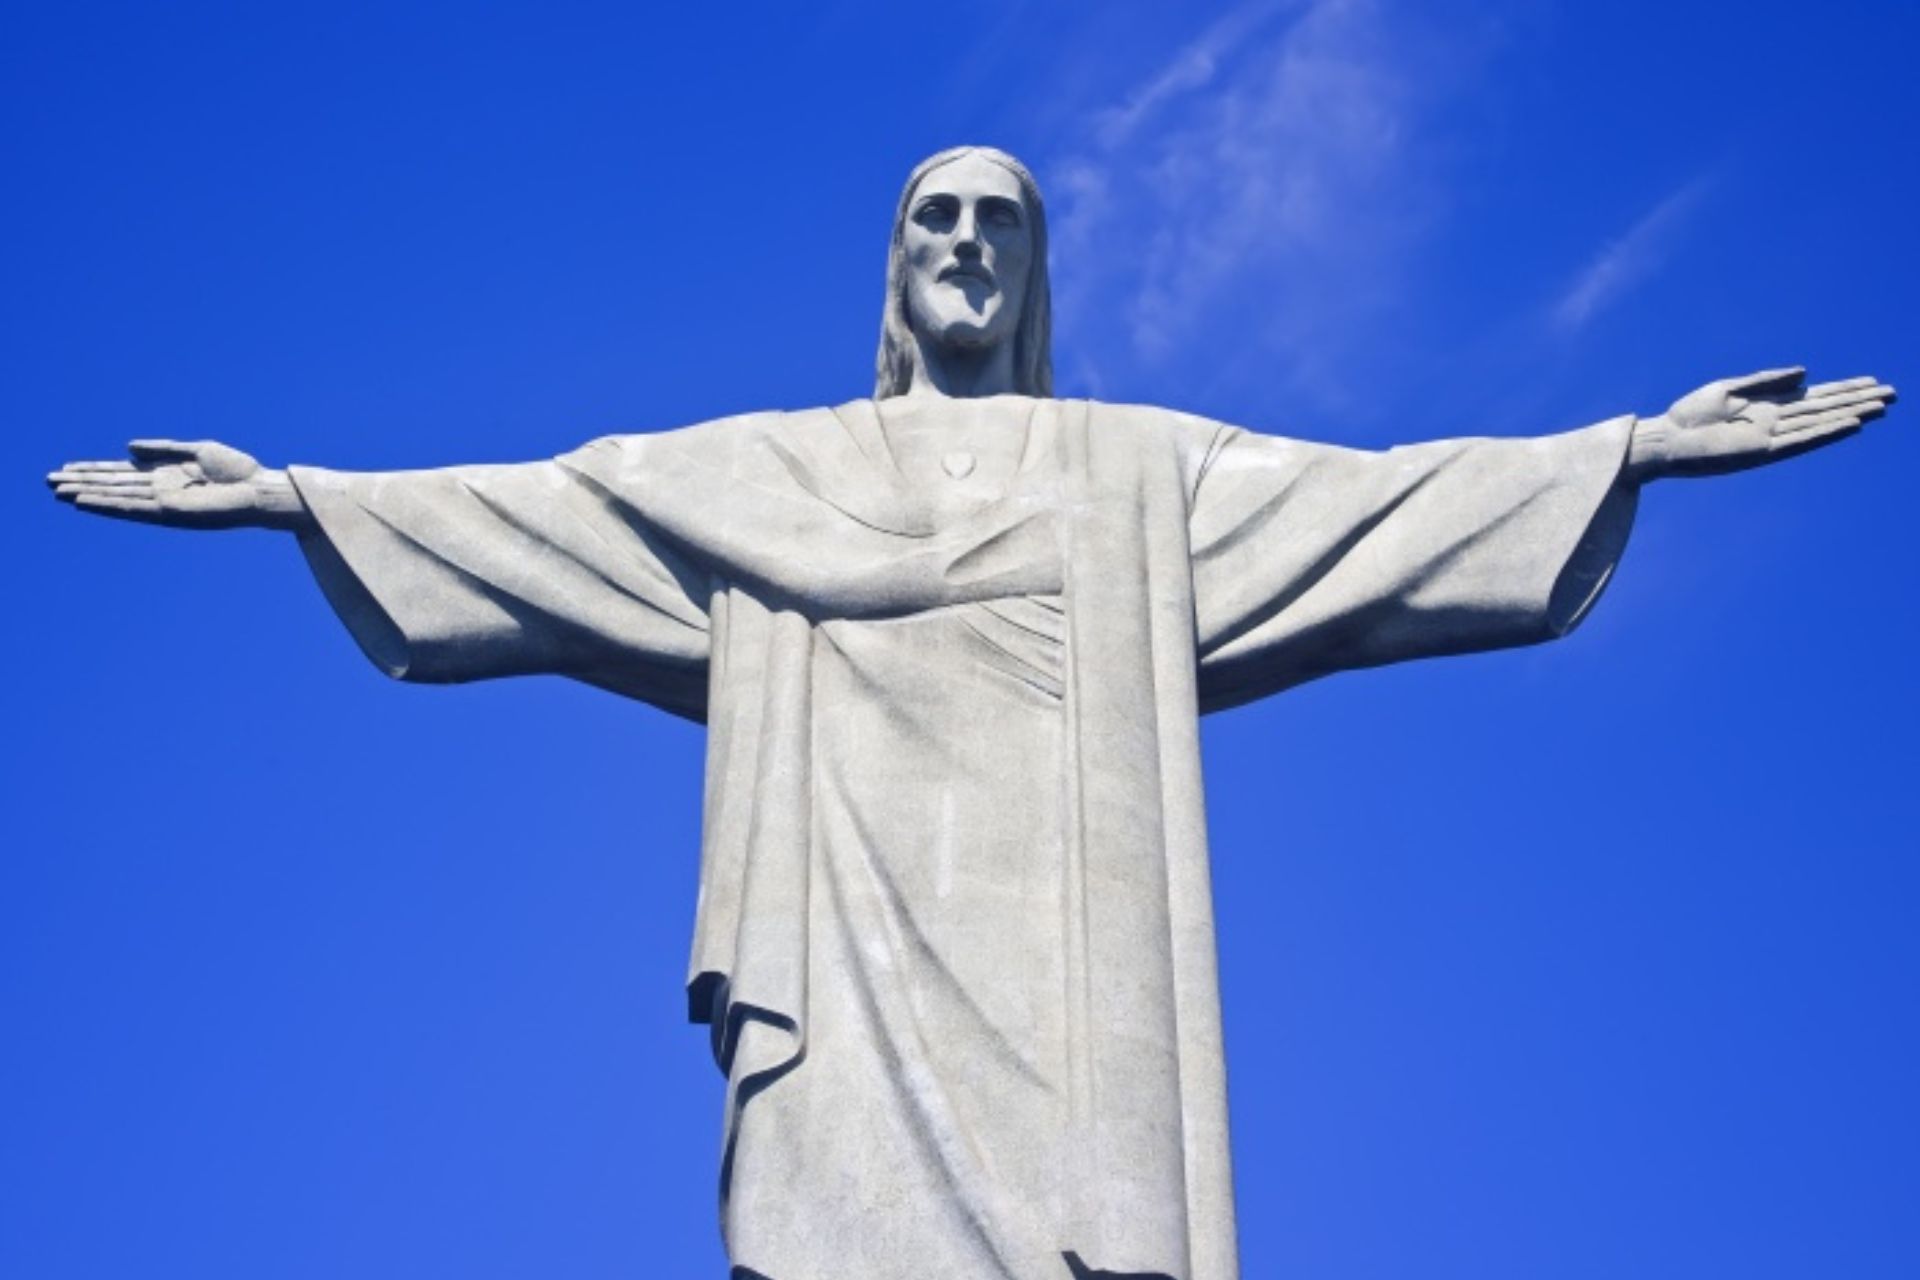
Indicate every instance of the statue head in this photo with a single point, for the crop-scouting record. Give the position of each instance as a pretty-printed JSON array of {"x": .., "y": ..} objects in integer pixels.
[{"x": 967, "y": 269}]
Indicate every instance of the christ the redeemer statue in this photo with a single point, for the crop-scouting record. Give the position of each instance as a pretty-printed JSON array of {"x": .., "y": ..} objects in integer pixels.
[{"x": 951, "y": 645}]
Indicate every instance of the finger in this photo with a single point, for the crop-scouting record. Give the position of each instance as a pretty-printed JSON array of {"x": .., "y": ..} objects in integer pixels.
[
  {"x": 1864, "y": 412},
  {"x": 124, "y": 508},
  {"x": 97, "y": 466},
  {"x": 104, "y": 478},
  {"x": 1867, "y": 390},
  {"x": 1769, "y": 381},
  {"x": 83, "y": 497},
  {"x": 1873, "y": 393},
  {"x": 1822, "y": 424},
  {"x": 163, "y": 450},
  {"x": 104, "y": 483},
  {"x": 1808, "y": 441},
  {"x": 71, "y": 491},
  {"x": 1844, "y": 384}
]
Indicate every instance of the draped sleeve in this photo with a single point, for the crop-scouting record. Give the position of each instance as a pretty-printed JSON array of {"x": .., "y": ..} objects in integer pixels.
[
  {"x": 603, "y": 564},
  {"x": 474, "y": 572},
  {"x": 1310, "y": 559}
]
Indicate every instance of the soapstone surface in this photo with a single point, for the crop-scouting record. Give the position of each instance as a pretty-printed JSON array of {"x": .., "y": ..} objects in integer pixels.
[{"x": 951, "y": 643}]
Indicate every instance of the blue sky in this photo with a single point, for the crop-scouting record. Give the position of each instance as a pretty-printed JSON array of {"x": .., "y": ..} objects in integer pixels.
[{"x": 1586, "y": 961}]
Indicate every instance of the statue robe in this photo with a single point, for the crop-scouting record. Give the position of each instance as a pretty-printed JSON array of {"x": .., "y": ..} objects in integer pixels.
[{"x": 955, "y": 937}]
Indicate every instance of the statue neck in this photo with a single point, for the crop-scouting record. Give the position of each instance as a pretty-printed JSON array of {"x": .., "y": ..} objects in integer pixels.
[{"x": 961, "y": 373}]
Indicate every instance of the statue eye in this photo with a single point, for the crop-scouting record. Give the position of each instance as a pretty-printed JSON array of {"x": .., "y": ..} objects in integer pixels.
[{"x": 934, "y": 213}]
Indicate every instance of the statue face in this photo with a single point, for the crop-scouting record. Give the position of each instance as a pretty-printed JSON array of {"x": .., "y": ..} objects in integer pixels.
[{"x": 969, "y": 247}]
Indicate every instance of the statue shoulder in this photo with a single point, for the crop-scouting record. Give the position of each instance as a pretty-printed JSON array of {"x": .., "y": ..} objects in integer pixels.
[
  {"x": 1195, "y": 437},
  {"x": 766, "y": 447},
  {"x": 724, "y": 434}
]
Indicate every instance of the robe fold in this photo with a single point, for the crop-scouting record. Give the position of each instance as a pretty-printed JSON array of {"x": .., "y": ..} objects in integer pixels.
[{"x": 955, "y": 936}]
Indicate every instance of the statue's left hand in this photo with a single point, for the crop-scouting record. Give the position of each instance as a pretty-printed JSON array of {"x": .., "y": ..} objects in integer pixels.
[
  {"x": 1737, "y": 423},
  {"x": 200, "y": 484}
]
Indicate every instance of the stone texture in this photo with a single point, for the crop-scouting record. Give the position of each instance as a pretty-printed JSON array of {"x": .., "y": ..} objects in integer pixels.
[{"x": 954, "y": 939}]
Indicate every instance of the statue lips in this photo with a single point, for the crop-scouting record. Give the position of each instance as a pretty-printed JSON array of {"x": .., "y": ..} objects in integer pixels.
[{"x": 961, "y": 273}]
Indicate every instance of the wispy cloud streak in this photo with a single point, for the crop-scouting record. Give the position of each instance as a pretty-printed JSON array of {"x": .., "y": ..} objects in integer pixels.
[
  {"x": 1256, "y": 191},
  {"x": 1623, "y": 263},
  {"x": 1192, "y": 68}
]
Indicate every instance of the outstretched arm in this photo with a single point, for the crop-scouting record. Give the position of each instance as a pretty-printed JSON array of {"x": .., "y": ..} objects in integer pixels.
[
  {"x": 189, "y": 485},
  {"x": 1737, "y": 423},
  {"x": 1309, "y": 559},
  {"x": 463, "y": 573}
]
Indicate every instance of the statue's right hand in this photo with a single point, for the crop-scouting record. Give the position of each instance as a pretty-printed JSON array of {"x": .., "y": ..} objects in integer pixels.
[{"x": 188, "y": 484}]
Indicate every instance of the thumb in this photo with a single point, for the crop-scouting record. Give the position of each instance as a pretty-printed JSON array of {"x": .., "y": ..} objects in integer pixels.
[
  {"x": 164, "y": 451},
  {"x": 224, "y": 464}
]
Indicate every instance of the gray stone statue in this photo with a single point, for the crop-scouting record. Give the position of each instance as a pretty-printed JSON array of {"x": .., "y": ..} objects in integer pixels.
[{"x": 951, "y": 644}]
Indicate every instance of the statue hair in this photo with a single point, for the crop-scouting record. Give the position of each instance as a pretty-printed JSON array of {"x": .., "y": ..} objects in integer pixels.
[{"x": 1032, "y": 337}]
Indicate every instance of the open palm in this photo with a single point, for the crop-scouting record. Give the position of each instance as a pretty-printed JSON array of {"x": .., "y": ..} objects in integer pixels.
[
  {"x": 189, "y": 484},
  {"x": 1737, "y": 423}
]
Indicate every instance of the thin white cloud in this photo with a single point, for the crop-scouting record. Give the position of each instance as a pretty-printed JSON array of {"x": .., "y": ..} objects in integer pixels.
[
  {"x": 1269, "y": 177},
  {"x": 1623, "y": 263},
  {"x": 1192, "y": 68}
]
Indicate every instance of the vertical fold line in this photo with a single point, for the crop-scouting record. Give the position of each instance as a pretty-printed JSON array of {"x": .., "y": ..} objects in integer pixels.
[
  {"x": 1211, "y": 1247},
  {"x": 1159, "y": 574},
  {"x": 1082, "y": 1223}
]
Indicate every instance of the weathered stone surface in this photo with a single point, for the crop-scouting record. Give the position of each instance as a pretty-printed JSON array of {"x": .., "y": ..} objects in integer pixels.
[{"x": 951, "y": 645}]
